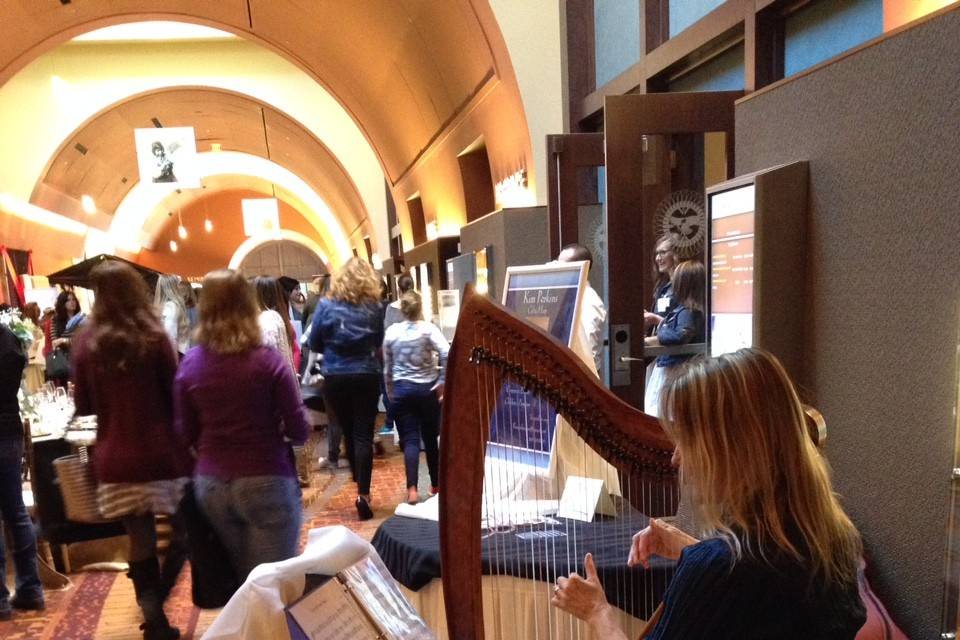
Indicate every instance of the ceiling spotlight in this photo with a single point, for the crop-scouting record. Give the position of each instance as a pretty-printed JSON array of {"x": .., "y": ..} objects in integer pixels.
[
  {"x": 173, "y": 246},
  {"x": 182, "y": 232},
  {"x": 207, "y": 225},
  {"x": 89, "y": 206}
]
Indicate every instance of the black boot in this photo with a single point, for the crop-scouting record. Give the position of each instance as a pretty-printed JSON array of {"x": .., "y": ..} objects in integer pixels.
[
  {"x": 174, "y": 558},
  {"x": 146, "y": 583}
]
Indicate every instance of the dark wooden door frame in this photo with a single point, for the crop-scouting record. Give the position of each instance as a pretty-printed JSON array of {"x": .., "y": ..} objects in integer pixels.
[
  {"x": 627, "y": 119},
  {"x": 566, "y": 154}
]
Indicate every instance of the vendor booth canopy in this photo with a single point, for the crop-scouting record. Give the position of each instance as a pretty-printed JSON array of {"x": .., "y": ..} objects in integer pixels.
[{"x": 78, "y": 275}]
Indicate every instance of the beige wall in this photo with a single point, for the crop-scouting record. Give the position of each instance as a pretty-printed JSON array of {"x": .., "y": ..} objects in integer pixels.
[{"x": 531, "y": 30}]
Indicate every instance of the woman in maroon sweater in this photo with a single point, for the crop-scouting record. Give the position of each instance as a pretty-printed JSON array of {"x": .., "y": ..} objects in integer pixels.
[
  {"x": 238, "y": 403},
  {"x": 124, "y": 367}
]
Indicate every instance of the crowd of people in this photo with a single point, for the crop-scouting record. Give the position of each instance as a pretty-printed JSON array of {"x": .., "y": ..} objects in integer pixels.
[{"x": 204, "y": 397}]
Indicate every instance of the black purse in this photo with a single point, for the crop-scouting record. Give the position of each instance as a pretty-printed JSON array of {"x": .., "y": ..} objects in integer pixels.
[
  {"x": 58, "y": 364},
  {"x": 213, "y": 578}
]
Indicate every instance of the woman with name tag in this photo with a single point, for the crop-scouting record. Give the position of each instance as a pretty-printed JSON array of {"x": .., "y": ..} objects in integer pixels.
[
  {"x": 778, "y": 557},
  {"x": 664, "y": 262}
]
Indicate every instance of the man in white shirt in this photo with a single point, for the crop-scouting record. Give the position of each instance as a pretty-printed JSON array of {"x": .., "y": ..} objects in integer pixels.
[{"x": 593, "y": 313}]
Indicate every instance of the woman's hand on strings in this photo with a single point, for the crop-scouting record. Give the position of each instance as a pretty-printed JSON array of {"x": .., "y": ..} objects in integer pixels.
[
  {"x": 658, "y": 539},
  {"x": 584, "y": 599}
]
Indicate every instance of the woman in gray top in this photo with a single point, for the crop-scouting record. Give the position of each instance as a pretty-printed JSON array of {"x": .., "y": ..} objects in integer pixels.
[{"x": 414, "y": 358}]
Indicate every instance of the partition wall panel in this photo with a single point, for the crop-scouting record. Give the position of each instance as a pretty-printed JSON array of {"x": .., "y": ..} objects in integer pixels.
[{"x": 880, "y": 129}]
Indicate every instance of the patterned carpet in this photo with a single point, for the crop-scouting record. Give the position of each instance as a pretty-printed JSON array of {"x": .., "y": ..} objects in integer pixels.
[{"x": 101, "y": 604}]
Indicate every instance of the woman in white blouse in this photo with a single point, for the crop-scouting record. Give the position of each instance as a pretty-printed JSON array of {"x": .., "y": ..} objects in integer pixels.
[
  {"x": 173, "y": 312},
  {"x": 274, "y": 322},
  {"x": 414, "y": 358}
]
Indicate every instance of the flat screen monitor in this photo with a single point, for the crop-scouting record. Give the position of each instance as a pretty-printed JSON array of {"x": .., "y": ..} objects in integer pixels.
[{"x": 731, "y": 257}]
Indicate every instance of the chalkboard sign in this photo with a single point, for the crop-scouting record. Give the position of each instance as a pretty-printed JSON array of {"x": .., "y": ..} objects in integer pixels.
[{"x": 547, "y": 296}]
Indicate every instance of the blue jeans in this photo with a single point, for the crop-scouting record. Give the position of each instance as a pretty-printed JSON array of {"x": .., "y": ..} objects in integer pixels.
[
  {"x": 417, "y": 417},
  {"x": 17, "y": 521},
  {"x": 257, "y": 518}
]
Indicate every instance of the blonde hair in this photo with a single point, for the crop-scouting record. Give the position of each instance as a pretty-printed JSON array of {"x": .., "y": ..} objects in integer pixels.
[
  {"x": 228, "y": 313},
  {"x": 168, "y": 290},
  {"x": 355, "y": 282},
  {"x": 411, "y": 305},
  {"x": 758, "y": 480}
]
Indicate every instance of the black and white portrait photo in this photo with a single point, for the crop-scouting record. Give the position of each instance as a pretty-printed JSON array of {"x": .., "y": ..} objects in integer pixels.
[{"x": 167, "y": 156}]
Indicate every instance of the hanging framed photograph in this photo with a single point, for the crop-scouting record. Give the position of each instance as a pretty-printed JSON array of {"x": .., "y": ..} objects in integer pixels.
[{"x": 167, "y": 156}]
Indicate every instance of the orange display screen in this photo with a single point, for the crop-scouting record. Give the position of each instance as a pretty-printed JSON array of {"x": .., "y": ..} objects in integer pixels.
[{"x": 731, "y": 269}]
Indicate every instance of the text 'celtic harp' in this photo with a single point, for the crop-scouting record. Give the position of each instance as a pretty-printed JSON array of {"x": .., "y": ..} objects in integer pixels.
[{"x": 541, "y": 464}]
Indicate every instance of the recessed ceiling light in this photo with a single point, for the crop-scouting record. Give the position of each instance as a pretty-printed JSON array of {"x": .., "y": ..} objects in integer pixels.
[
  {"x": 173, "y": 246},
  {"x": 88, "y": 204}
]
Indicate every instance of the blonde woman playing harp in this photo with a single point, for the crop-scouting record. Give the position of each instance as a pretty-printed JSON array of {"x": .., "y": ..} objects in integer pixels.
[{"x": 779, "y": 556}]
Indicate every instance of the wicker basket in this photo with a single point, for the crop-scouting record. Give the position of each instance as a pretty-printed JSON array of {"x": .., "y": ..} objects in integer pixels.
[{"x": 79, "y": 488}]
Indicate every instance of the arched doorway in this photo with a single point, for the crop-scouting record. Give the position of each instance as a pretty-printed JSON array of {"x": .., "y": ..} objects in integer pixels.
[{"x": 282, "y": 258}]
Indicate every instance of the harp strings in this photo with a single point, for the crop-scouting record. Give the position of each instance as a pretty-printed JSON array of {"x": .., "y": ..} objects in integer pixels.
[{"x": 510, "y": 378}]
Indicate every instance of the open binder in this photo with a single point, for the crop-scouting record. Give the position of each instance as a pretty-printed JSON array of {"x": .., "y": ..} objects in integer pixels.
[{"x": 361, "y": 601}]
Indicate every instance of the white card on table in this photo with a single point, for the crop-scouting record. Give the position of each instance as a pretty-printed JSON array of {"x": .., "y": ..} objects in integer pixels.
[{"x": 580, "y": 498}]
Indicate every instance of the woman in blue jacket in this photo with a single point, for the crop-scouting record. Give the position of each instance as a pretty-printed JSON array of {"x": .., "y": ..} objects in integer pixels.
[
  {"x": 347, "y": 329},
  {"x": 683, "y": 324}
]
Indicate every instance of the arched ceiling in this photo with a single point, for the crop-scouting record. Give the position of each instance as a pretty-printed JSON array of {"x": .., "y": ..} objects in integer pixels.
[
  {"x": 403, "y": 68},
  {"x": 99, "y": 159}
]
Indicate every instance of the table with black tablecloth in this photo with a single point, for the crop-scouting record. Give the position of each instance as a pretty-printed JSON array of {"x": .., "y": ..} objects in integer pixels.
[{"x": 410, "y": 548}]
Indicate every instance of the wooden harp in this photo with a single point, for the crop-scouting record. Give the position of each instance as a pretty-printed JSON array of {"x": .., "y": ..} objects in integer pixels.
[{"x": 492, "y": 350}]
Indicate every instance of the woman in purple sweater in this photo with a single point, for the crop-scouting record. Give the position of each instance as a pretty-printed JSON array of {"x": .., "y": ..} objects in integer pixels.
[
  {"x": 123, "y": 369},
  {"x": 238, "y": 404}
]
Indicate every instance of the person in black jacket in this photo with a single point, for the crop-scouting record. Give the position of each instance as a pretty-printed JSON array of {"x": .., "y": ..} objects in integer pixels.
[{"x": 29, "y": 591}]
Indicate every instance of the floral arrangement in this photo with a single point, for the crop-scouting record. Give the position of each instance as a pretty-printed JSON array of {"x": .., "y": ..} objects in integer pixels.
[{"x": 22, "y": 327}]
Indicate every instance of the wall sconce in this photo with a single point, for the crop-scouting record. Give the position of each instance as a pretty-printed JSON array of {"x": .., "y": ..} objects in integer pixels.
[{"x": 432, "y": 230}]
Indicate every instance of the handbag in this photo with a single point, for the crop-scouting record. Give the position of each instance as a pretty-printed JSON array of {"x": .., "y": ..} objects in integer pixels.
[
  {"x": 213, "y": 578},
  {"x": 58, "y": 364}
]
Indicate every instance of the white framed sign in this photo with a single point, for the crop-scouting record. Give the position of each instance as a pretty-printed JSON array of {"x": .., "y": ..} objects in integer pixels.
[{"x": 549, "y": 297}]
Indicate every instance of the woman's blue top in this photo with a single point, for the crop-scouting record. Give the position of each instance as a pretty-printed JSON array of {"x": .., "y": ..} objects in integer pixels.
[{"x": 713, "y": 597}]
